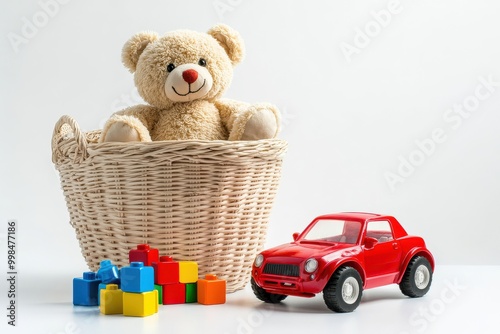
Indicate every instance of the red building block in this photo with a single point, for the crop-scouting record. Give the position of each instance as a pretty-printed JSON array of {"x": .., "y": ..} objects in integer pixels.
[
  {"x": 166, "y": 271},
  {"x": 144, "y": 254},
  {"x": 174, "y": 293},
  {"x": 211, "y": 290}
]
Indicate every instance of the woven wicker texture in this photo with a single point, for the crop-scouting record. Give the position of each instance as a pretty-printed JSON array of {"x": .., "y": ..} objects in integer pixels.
[{"x": 205, "y": 201}]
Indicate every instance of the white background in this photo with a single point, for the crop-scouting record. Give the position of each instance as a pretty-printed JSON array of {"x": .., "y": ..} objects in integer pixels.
[{"x": 349, "y": 119}]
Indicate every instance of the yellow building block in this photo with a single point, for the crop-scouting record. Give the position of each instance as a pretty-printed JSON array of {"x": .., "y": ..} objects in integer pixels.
[
  {"x": 140, "y": 304},
  {"x": 188, "y": 272},
  {"x": 111, "y": 300}
]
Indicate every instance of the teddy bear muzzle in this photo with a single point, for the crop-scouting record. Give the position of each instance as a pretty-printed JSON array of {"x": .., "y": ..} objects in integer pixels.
[{"x": 188, "y": 82}]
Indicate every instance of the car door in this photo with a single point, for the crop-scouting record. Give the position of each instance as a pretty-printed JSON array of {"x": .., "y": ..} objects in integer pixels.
[{"x": 383, "y": 259}]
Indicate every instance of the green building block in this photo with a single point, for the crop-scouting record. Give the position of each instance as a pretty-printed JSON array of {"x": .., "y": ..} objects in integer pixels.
[
  {"x": 160, "y": 293},
  {"x": 191, "y": 295}
]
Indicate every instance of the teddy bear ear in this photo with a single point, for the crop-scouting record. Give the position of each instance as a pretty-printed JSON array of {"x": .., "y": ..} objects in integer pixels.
[
  {"x": 134, "y": 47},
  {"x": 230, "y": 40}
]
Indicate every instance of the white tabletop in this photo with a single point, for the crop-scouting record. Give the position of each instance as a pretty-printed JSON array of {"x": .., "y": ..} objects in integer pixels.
[{"x": 462, "y": 299}]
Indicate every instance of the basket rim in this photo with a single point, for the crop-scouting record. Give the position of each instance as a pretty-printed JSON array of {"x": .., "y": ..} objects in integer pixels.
[
  {"x": 200, "y": 142},
  {"x": 86, "y": 144}
]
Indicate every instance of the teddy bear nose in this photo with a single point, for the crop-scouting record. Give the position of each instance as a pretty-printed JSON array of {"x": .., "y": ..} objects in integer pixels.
[{"x": 190, "y": 76}]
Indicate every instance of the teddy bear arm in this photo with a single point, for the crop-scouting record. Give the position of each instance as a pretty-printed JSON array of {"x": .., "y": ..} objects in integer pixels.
[
  {"x": 132, "y": 124},
  {"x": 147, "y": 115},
  {"x": 246, "y": 121},
  {"x": 229, "y": 111}
]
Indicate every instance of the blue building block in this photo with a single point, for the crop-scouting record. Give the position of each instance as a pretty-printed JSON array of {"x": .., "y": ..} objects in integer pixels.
[
  {"x": 86, "y": 289},
  {"x": 137, "y": 278},
  {"x": 108, "y": 273}
]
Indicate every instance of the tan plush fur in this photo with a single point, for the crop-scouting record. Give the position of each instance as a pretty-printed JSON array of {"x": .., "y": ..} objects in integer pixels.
[{"x": 182, "y": 76}]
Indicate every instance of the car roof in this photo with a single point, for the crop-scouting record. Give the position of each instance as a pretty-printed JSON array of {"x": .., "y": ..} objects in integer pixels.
[{"x": 356, "y": 216}]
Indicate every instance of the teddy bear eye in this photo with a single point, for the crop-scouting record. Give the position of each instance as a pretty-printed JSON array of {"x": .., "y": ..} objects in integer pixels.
[
  {"x": 202, "y": 62},
  {"x": 170, "y": 67}
]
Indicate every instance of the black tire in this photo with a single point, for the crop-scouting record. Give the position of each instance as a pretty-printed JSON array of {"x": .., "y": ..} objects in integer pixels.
[
  {"x": 265, "y": 296},
  {"x": 344, "y": 290},
  {"x": 417, "y": 278}
]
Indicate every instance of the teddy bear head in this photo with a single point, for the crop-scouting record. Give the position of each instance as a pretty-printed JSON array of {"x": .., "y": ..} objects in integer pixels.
[{"x": 183, "y": 65}]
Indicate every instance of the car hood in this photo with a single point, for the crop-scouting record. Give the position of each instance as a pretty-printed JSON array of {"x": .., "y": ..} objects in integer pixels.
[{"x": 307, "y": 249}]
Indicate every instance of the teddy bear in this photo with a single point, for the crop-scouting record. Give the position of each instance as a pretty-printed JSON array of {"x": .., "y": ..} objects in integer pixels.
[{"x": 182, "y": 75}]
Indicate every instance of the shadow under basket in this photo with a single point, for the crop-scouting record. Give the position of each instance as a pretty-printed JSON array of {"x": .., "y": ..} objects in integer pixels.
[{"x": 203, "y": 201}]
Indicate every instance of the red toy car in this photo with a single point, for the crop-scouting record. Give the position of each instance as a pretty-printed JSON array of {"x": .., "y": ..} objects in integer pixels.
[{"x": 340, "y": 255}]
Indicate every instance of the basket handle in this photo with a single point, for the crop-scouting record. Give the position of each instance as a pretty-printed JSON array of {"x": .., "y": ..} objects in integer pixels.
[{"x": 81, "y": 141}]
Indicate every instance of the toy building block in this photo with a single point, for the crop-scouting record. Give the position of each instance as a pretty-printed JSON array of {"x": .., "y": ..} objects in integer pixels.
[
  {"x": 85, "y": 289},
  {"x": 211, "y": 290},
  {"x": 108, "y": 272},
  {"x": 111, "y": 300},
  {"x": 174, "y": 293},
  {"x": 140, "y": 304},
  {"x": 102, "y": 286},
  {"x": 144, "y": 254},
  {"x": 188, "y": 272},
  {"x": 166, "y": 271},
  {"x": 191, "y": 296},
  {"x": 137, "y": 278},
  {"x": 159, "y": 288}
]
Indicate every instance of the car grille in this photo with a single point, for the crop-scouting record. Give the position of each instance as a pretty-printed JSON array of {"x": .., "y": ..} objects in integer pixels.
[{"x": 281, "y": 269}]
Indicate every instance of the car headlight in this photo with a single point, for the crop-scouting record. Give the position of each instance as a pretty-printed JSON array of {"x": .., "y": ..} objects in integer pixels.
[
  {"x": 311, "y": 265},
  {"x": 258, "y": 260}
]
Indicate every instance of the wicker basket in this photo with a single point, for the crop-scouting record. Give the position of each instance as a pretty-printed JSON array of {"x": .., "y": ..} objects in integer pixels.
[{"x": 205, "y": 201}]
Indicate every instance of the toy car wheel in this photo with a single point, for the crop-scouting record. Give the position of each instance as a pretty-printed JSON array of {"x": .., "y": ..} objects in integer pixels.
[
  {"x": 417, "y": 278},
  {"x": 343, "y": 292},
  {"x": 265, "y": 296}
]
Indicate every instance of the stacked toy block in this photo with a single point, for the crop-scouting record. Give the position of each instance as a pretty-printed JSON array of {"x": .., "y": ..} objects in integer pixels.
[
  {"x": 108, "y": 273},
  {"x": 177, "y": 280},
  {"x": 149, "y": 280},
  {"x": 144, "y": 254},
  {"x": 179, "y": 283},
  {"x": 167, "y": 279},
  {"x": 140, "y": 298}
]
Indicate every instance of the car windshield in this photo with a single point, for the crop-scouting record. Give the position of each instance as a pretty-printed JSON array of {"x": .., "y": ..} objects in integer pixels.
[{"x": 333, "y": 230}]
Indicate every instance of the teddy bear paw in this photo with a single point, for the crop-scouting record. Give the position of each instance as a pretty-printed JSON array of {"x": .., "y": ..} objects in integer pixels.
[
  {"x": 263, "y": 123},
  {"x": 121, "y": 128}
]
